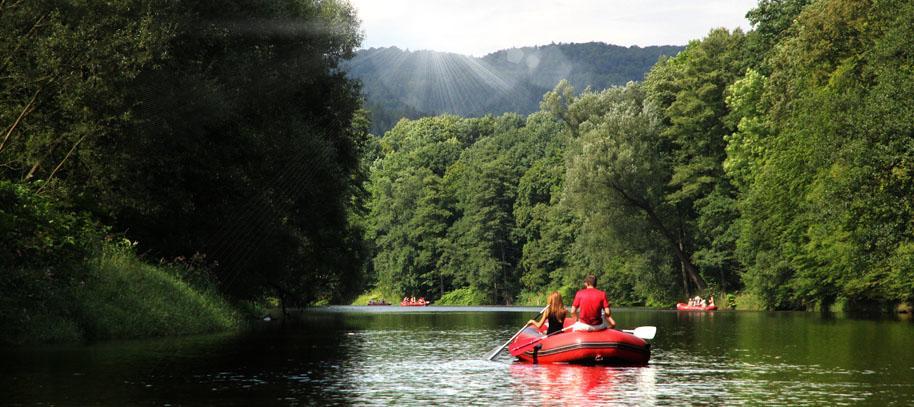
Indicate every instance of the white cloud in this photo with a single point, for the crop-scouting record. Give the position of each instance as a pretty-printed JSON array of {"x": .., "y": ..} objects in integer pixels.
[{"x": 478, "y": 27}]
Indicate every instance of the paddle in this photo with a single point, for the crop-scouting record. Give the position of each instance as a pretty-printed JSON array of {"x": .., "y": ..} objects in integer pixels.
[
  {"x": 540, "y": 338},
  {"x": 644, "y": 332},
  {"x": 491, "y": 355}
]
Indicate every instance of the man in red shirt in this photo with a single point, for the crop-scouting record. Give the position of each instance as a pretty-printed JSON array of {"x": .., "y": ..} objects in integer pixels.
[{"x": 592, "y": 305}]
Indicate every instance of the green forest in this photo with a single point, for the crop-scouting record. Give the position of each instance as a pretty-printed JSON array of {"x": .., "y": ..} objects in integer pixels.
[
  {"x": 168, "y": 164},
  {"x": 172, "y": 166},
  {"x": 775, "y": 164}
]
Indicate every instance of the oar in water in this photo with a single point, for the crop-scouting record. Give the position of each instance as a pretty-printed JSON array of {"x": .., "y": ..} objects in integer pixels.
[
  {"x": 540, "y": 338},
  {"x": 644, "y": 332},
  {"x": 491, "y": 355}
]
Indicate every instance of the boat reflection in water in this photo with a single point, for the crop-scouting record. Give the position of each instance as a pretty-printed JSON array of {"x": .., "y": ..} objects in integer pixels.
[{"x": 563, "y": 384}]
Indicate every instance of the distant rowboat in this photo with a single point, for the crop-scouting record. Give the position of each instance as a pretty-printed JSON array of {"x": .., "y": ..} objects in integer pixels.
[
  {"x": 686, "y": 307},
  {"x": 419, "y": 303}
]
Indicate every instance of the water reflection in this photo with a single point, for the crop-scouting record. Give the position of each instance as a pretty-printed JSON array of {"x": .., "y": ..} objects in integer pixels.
[
  {"x": 562, "y": 384},
  {"x": 434, "y": 356}
]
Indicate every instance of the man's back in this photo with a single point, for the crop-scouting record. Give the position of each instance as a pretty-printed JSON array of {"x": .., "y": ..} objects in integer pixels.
[{"x": 591, "y": 302}]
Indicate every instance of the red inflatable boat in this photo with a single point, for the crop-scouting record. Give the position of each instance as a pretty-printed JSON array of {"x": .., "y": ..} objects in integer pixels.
[
  {"x": 608, "y": 346},
  {"x": 420, "y": 303},
  {"x": 686, "y": 307}
]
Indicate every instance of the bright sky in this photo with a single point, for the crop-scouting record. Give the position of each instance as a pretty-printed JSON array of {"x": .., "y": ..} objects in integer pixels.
[{"x": 478, "y": 27}]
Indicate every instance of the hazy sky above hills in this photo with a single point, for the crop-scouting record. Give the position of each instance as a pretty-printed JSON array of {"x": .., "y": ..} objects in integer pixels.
[{"x": 478, "y": 27}]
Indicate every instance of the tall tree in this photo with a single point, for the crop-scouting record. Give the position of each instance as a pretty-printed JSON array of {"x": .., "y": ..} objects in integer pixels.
[
  {"x": 618, "y": 179},
  {"x": 67, "y": 69},
  {"x": 689, "y": 90}
]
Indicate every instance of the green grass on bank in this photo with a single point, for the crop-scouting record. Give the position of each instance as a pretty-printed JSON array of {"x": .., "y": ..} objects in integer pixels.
[
  {"x": 539, "y": 299},
  {"x": 127, "y": 298},
  {"x": 375, "y": 294},
  {"x": 531, "y": 299},
  {"x": 120, "y": 297},
  {"x": 466, "y": 296},
  {"x": 743, "y": 301},
  {"x": 462, "y": 296}
]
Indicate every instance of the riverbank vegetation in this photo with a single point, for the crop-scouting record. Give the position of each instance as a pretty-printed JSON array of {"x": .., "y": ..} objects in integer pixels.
[
  {"x": 166, "y": 163},
  {"x": 64, "y": 281},
  {"x": 221, "y": 132},
  {"x": 776, "y": 163}
]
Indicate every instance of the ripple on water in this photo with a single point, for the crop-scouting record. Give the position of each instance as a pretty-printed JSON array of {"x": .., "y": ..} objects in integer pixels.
[{"x": 401, "y": 358}]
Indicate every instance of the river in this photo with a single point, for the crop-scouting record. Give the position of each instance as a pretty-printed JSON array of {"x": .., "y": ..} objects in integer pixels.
[{"x": 434, "y": 356}]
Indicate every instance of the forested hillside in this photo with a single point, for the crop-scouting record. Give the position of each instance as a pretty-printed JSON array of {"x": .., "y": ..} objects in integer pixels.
[
  {"x": 412, "y": 84},
  {"x": 777, "y": 163}
]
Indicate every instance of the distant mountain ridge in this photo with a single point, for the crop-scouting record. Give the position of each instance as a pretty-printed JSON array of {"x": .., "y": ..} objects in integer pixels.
[{"x": 400, "y": 83}]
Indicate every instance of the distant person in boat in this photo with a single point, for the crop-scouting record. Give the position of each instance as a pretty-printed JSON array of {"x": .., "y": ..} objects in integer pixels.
[
  {"x": 412, "y": 300},
  {"x": 554, "y": 315},
  {"x": 592, "y": 305},
  {"x": 711, "y": 301}
]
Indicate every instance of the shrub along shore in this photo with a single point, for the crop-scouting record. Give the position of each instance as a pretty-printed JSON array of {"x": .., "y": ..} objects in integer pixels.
[
  {"x": 119, "y": 297},
  {"x": 64, "y": 279},
  {"x": 740, "y": 300}
]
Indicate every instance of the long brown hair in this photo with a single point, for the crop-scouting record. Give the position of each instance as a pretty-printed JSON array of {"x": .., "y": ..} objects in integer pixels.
[{"x": 556, "y": 307}]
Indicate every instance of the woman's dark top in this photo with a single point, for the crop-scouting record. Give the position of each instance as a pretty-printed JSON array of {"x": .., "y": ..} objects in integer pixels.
[{"x": 556, "y": 323}]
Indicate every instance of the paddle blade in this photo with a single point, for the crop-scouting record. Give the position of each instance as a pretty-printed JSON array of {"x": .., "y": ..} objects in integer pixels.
[
  {"x": 644, "y": 332},
  {"x": 491, "y": 355}
]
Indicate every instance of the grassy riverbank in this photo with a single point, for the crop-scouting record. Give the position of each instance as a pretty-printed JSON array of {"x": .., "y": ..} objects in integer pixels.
[
  {"x": 64, "y": 278},
  {"x": 119, "y": 297},
  {"x": 128, "y": 298},
  {"x": 739, "y": 300},
  {"x": 375, "y": 294},
  {"x": 467, "y": 296}
]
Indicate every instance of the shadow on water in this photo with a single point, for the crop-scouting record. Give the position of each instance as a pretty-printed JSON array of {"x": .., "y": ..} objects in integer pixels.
[{"x": 268, "y": 364}]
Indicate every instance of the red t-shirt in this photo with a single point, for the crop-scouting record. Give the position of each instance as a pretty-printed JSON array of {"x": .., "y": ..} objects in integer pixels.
[{"x": 590, "y": 303}]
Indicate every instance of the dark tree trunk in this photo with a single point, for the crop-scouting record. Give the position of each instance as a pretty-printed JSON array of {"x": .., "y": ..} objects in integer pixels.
[
  {"x": 677, "y": 240},
  {"x": 688, "y": 268},
  {"x": 685, "y": 280}
]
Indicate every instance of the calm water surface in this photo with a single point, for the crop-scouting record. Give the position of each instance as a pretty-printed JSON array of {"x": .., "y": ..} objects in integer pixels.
[{"x": 433, "y": 356}]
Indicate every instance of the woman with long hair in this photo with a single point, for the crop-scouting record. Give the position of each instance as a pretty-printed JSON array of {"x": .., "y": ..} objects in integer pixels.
[{"x": 554, "y": 315}]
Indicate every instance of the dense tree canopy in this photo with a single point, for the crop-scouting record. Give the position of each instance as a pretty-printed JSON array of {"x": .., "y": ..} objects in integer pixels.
[
  {"x": 827, "y": 213},
  {"x": 775, "y": 162},
  {"x": 216, "y": 129}
]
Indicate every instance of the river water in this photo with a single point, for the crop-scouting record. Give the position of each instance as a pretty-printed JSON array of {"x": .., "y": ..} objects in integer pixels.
[{"x": 434, "y": 356}]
